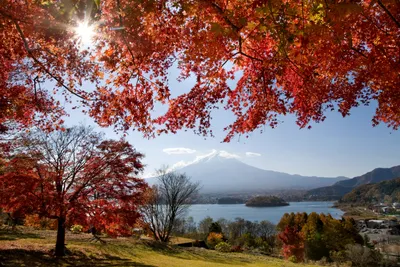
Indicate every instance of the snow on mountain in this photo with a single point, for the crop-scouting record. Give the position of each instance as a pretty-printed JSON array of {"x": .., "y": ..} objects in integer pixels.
[{"x": 220, "y": 171}]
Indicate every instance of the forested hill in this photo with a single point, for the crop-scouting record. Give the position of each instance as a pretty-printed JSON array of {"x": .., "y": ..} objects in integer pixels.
[
  {"x": 341, "y": 188},
  {"x": 388, "y": 191},
  {"x": 266, "y": 201}
]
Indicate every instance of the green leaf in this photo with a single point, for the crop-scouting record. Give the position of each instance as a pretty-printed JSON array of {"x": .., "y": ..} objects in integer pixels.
[{"x": 97, "y": 2}]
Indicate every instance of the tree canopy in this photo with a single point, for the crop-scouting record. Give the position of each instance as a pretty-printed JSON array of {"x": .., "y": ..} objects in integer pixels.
[{"x": 290, "y": 57}]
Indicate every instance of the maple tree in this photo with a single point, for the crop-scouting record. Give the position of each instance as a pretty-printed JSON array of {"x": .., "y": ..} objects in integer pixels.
[
  {"x": 75, "y": 177},
  {"x": 290, "y": 57}
]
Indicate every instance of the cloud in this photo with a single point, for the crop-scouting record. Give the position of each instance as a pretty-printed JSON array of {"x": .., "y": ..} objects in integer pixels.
[
  {"x": 227, "y": 155},
  {"x": 252, "y": 154},
  {"x": 180, "y": 164},
  {"x": 178, "y": 150}
]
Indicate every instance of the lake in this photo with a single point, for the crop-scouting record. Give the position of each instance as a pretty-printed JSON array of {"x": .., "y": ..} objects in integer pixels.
[{"x": 272, "y": 214}]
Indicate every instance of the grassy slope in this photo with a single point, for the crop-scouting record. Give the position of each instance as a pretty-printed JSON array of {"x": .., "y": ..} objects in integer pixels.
[{"x": 32, "y": 248}]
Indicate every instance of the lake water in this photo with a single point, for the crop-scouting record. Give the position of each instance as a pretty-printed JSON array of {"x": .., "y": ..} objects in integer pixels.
[{"x": 272, "y": 214}]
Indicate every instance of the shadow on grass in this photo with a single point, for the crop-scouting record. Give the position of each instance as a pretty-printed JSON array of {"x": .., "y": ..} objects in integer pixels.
[
  {"x": 200, "y": 254},
  {"x": 162, "y": 248},
  {"x": 6, "y": 234},
  {"x": 20, "y": 257}
]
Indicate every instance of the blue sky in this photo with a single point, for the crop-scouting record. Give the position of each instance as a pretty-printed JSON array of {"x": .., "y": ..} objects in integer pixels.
[{"x": 337, "y": 147}]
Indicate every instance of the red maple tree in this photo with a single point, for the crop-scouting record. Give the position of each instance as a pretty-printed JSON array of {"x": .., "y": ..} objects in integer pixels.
[
  {"x": 293, "y": 243},
  {"x": 290, "y": 57},
  {"x": 77, "y": 178}
]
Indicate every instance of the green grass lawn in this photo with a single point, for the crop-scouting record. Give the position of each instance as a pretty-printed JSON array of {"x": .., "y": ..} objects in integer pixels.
[{"x": 33, "y": 248}]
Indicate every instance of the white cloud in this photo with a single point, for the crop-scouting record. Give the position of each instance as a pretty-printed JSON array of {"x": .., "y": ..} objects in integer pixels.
[
  {"x": 252, "y": 154},
  {"x": 180, "y": 164},
  {"x": 227, "y": 155},
  {"x": 178, "y": 150}
]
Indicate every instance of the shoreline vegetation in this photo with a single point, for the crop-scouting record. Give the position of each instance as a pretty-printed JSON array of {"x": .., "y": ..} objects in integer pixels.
[{"x": 266, "y": 201}]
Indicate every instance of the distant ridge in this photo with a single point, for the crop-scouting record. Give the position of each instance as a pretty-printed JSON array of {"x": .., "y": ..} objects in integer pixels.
[
  {"x": 374, "y": 193},
  {"x": 341, "y": 188},
  {"x": 221, "y": 173}
]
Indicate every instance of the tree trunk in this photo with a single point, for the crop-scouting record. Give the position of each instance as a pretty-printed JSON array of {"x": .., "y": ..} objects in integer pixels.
[{"x": 60, "y": 244}]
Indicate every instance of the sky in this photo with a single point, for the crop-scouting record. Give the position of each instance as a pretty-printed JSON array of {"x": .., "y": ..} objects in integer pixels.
[{"x": 336, "y": 147}]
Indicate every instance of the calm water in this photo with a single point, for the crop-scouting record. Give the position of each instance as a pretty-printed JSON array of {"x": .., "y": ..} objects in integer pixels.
[{"x": 272, "y": 214}]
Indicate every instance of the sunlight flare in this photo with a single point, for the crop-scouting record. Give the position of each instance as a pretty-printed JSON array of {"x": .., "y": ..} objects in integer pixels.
[{"x": 85, "y": 32}]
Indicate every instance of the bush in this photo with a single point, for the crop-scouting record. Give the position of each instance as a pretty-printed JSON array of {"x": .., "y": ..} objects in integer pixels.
[
  {"x": 214, "y": 239},
  {"x": 292, "y": 259},
  {"x": 76, "y": 228},
  {"x": 339, "y": 257},
  {"x": 223, "y": 247},
  {"x": 362, "y": 256},
  {"x": 236, "y": 249},
  {"x": 263, "y": 246}
]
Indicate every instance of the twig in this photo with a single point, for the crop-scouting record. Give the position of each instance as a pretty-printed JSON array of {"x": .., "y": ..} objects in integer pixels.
[{"x": 41, "y": 64}]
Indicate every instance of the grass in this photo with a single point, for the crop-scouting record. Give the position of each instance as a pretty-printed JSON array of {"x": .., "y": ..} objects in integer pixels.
[{"x": 29, "y": 247}]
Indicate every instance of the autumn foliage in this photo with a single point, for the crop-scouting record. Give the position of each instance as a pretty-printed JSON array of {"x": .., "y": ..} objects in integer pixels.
[
  {"x": 214, "y": 239},
  {"x": 288, "y": 57},
  {"x": 315, "y": 235},
  {"x": 74, "y": 177}
]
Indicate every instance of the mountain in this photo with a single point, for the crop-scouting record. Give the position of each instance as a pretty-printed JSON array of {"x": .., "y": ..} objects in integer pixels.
[
  {"x": 220, "y": 173},
  {"x": 374, "y": 193},
  {"x": 341, "y": 188}
]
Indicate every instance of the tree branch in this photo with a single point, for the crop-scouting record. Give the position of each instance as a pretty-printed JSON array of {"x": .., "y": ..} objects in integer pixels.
[
  {"x": 42, "y": 65},
  {"x": 388, "y": 13}
]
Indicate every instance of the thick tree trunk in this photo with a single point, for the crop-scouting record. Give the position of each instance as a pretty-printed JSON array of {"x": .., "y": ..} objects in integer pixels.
[{"x": 60, "y": 243}]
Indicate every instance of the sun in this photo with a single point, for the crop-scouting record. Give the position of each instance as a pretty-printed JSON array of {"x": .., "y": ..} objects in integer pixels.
[{"x": 85, "y": 32}]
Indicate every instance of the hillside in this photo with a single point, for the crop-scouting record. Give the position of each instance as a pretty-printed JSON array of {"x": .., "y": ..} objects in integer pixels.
[
  {"x": 32, "y": 248},
  {"x": 374, "y": 193},
  {"x": 341, "y": 188},
  {"x": 219, "y": 174}
]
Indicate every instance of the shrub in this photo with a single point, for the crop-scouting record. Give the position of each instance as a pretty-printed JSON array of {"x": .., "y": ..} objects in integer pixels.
[
  {"x": 214, "y": 239},
  {"x": 292, "y": 259},
  {"x": 339, "y": 257},
  {"x": 362, "y": 256},
  {"x": 262, "y": 245},
  {"x": 236, "y": 249},
  {"x": 223, "y": 247},
  {"x": 76, "y": 228}
]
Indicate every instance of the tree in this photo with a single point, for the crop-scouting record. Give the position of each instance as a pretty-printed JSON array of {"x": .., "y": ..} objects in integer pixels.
[
  {"x": 215, "y": 228},
  {"x": 224, "y": 223},
  {"x": 315, "y": 245},
  {"x": 204, "y": 226},
  {"x": 290, "y": 57},
  {"x": 293, "y": 243},
  {"x": 76, "y": 177},
  {"x": 266, "y": 229},
  {"x": 316, "y": 235},
  {"x": 167, "y": 202}
]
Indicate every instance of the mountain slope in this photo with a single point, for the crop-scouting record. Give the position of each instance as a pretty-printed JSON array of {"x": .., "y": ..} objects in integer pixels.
[
  {"x": 341, "y": 188},
  {"x": 221, "y": 174},
  {"x": 374, "y": 193}
]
